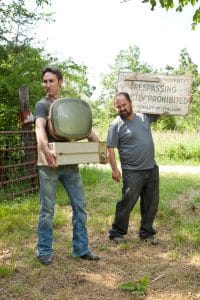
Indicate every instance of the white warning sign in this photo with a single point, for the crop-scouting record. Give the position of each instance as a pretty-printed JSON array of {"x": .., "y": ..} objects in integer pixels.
[{"x": 157, "y": 94}]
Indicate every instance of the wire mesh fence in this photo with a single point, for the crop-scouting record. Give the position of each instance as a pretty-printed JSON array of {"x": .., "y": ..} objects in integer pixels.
[{"x": 18, "y": 156}]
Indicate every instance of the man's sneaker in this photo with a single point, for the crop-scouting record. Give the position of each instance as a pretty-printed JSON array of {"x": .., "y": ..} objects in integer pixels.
[
  {"x": 44, "y": 259},
  {"x": 151, "y": 239},
  {"x": 90, "y": 256},
  {"x": 118, "y": 239}
]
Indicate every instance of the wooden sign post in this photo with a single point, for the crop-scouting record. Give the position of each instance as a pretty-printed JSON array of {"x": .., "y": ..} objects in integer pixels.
[
  {"x": 26, "y": 125},
  {"x": 157, "y": 94},
  {"x": 26, "y": 116}
]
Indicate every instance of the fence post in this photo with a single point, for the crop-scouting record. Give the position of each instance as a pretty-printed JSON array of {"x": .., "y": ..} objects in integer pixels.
[
  {"x": 1, "y": 167},
  {"x": 26, "y": 116},
  {"x": 25, "y": 123},
  {"x": 27, "y": 119}
]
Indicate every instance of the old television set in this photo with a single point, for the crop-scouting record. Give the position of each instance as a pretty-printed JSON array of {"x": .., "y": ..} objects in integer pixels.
[{"x": 70, "y": 119}]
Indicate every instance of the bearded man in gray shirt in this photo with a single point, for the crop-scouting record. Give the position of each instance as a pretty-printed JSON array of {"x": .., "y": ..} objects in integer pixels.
[{"x": 130, "y": 133}]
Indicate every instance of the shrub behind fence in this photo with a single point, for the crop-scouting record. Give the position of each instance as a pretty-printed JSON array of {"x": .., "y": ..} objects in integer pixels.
[{"x": 18, "y": 156}]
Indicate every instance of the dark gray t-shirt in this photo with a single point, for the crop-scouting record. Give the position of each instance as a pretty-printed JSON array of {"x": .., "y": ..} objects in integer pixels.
[
  {"x": 134, "y": 141},
  {"x": 42, "y": 111}
]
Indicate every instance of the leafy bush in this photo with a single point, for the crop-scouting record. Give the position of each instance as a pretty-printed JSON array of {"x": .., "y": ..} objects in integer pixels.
[{"x": 138, "y": 288}]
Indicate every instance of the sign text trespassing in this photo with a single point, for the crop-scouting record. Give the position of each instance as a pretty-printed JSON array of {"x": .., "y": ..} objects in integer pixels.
[{"x": 157, "y": 94}]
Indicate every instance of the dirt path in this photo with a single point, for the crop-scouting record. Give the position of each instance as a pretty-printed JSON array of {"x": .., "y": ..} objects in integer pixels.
[{"x": 180, "y": 169}]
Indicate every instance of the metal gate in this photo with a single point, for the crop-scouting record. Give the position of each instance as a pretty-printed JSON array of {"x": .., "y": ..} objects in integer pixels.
[{"x": 18, "y": 156}]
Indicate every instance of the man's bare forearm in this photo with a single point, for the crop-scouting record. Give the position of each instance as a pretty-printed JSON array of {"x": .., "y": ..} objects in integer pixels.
[
  {"x": 41, "y": 135},
  {"x": 116, "y": 174},
  {"x": 111, "y": 159}
]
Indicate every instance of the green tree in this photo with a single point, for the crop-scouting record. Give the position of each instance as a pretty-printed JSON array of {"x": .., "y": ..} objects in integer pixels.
[
  {"x": 21, "y": 64},
  {"x": 18, "y": 19},
  {"x": 76, "y": 81},
  {"x": 192, "y": 121},
  {"x": 188, "y": 67},
  {"x": 18, "y": 66},
  {"x": 126, "y": 61},
  {"x": 102, "y": 116},
  {"x": 179, "y": 6}
]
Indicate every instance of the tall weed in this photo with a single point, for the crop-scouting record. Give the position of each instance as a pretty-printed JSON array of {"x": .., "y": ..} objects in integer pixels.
[{"x": 175, "y": 147}]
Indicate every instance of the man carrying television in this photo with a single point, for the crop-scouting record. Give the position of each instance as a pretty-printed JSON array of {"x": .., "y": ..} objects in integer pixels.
[{"x": 49, "y": 176}]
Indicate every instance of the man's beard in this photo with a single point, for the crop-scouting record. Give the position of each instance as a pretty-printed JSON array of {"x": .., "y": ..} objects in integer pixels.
[{"x": 125, "y": 114}]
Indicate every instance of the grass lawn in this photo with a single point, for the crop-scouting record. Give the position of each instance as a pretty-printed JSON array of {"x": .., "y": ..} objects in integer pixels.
[{"x": 132, "y": 271}]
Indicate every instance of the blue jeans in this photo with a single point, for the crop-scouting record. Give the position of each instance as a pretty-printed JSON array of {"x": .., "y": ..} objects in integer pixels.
[
  {"x": 70, "y": 178},
  {"x": 143, "y": 184}
]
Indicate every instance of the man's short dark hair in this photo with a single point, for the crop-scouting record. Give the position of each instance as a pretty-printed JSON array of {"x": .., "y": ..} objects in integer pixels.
[
  {"x": 126, "y": 95},
  {"x": 54, "y": 70}
]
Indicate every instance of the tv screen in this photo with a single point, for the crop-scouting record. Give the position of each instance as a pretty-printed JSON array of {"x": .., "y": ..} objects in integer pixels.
[{"x": 70, "y": 118}]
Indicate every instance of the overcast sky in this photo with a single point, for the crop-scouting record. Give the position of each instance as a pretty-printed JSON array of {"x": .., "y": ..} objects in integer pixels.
[{"x": 93, "y": 32}]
